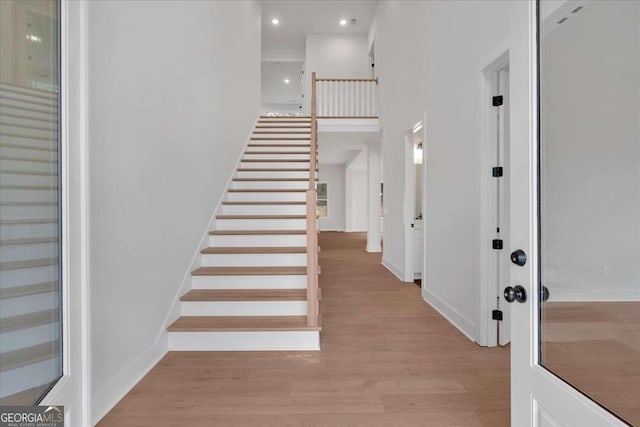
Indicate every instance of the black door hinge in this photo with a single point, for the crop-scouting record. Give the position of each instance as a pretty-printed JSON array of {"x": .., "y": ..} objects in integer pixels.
[
  {"x": 497, "y": 100},
  {"x": 497, "y": 243},
  {"x": 496, "y": 315},
  {"x": 497, "y": 172}
]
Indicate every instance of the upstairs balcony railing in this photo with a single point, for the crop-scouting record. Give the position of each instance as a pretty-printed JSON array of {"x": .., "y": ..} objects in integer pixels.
[{"x": 347, "y": 98}]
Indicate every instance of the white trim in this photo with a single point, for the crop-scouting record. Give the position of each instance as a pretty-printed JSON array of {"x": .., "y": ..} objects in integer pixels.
[
  {"x": 74, "y": 389},
  {"x": 391, "y": 267},
  {"x": 454, "y": 317},
  {"x": 594, "y": 295},
  {"x": 112, "y": 392},
  {"x": 487, "y": 134}
]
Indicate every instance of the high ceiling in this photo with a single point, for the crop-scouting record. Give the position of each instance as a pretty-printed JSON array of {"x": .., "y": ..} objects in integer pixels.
[{"x": 301, "y": 17}]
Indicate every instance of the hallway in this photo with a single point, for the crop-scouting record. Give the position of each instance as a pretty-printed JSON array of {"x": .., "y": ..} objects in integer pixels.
[{"x": 387, "y": 359}]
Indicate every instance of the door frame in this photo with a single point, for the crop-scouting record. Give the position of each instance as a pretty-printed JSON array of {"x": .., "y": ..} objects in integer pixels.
[
  {"x": 408, "y": 273},
  {"x": 488, "y": 131},
  {"x": 537, "y": 396},
  {"x": 73, "y": 389}
]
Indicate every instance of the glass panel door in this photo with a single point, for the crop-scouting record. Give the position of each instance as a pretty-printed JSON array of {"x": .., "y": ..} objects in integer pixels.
[
  {"x": 590, "y": 202},
  {"x": 30, "y": 238}
]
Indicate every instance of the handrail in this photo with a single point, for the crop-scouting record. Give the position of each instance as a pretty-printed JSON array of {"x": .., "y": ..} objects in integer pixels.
[
  {"x": 348, "y": 80},
  {"x": 312, "y": 220}
]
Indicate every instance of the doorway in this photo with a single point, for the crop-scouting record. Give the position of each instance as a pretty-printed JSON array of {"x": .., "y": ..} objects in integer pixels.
[
  {"x": 414, "y": 203},
  {"x": 495, "y": 214}
]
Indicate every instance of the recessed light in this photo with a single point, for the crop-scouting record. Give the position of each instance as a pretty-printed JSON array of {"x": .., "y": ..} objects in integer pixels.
[
  {"x": 343, "y": 22},
  {"x": 275, "y": 21},
  {"x": 286, "y": 81}
]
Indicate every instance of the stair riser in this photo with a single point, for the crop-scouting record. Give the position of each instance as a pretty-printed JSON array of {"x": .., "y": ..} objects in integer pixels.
[
  {"x": 41, "y": 114},
  {"x": 243, "y": 308},
  {"x": 17, "y": 380},
  {"x": 29, "y": 304},
  {"x": 18, "y": 340},
  {"x": 249, "y": 282},
  {"x": 23, "y": 212},
  {"x": 253, "y": 260},
  {"x": 271, "y": 156},
  {"x": 260, "y": 224},
  {"x": 27, "y": 231},
  {"x": 287, "y": 142},
  {"x": 264, "y": 209},
  {"x": 10, "y": 253},
  {"x": 252, "y": 196},
  {"x": 301, "y": 136},
  {"x": 276, "y": 165},
  {"x": 20, "y": 195},
  {"x": 26, "y": 179},
  {"x": 27, "y": 166},
  {"x": 305, "y": 149},
  {"x": 28, "y": 276},
  {"x": 276, "y": 185},
  {"x": 259, "y": 240},
  {"x": 244, "y": 341},
  {"x": 273, "y": 174},
  {"x": 24, "y": 152}
]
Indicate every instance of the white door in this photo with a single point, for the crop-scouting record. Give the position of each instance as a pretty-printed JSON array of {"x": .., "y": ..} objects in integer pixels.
[{"x": 580, "y": 236}]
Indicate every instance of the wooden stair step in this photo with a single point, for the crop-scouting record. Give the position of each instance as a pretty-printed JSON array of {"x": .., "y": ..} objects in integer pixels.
[
  {"x": 275, "y": 161},
  {"x": 255, "y": 232},
  {"x": 261, "y": 216},
  {"x": 245, "y": 295},
  {"x": 274, "y": 153},
  {"x": 266, "y": 190},
  {"x": 250, "y": 271},
  {"x": 285, "y": 117},
  {"x": 274, "y": 170},
  {"x": 241, "y": 323},
  {"x": 280, "y": 132},
  {"x": 263, "y": 203},
  {"x": 278, "y": 145},
  {"x": 286, "y": 138},
  {"x": 273, "y": 179},
  {"x": 255, "y": 250},
  {"x": 306, "y": 126}
]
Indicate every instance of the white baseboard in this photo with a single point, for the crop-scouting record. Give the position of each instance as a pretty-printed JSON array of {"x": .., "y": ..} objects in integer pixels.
[
  {"x": 391, "y": 267},
  {"x": 105, "y": 399},
  {"x": 454, "y": 317},
  {"x": 593, "y": 295}
]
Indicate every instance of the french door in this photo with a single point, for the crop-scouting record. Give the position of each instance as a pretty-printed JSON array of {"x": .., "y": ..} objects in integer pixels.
[{"x": 575, "y": 213}]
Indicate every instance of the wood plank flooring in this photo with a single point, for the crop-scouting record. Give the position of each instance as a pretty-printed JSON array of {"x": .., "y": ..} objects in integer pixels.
[{"x": 387, "y": 359}]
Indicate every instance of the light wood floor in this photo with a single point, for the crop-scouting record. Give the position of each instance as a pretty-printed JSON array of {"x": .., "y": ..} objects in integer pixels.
[{"x": 387, "y": 359}]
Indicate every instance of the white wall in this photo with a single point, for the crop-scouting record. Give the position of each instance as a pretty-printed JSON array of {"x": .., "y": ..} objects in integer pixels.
[
  {"x": 439, "y": 74},
  {"x": 338, "y": 56},
  {"x": 591, "y": 154},
  {"x": 356, "y": 198},
  {"x": 334, "y": 176},
  {"x": 174, "y": 92}
]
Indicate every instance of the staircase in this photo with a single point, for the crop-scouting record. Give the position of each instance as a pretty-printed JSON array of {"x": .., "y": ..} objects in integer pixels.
[{"x": 256, "y": 288}]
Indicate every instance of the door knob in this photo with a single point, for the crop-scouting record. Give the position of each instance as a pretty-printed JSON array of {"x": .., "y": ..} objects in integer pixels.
[
  {"x": 517, "y": 293},
  {"x": 519, "y": 257},
  {"x": 544, "y": 294}
]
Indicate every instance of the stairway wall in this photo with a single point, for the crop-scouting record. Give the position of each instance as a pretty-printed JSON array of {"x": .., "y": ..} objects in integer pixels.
[{"x": 174, "y": 92}]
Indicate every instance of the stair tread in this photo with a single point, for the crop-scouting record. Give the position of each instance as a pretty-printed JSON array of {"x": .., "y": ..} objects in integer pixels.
[
  {"x": 245, "y": 295},
  {"x": 273, "y": 179},
  {"x": 250, "y": 271},
  {"x": 241, "y": 323},
  {"x": 267, "y": 190},
  {"x": 278, "y": 145},
  {"x": 255, "y": 250},
  {"x": 261, "y": 216},
  {"x": 254, "y": 232},
  {"x": 273, "y": 170},
  {"x": 275, "y": 161},
  {"x": 263, "y": 203},
  {"x": 276, "y": 153}
]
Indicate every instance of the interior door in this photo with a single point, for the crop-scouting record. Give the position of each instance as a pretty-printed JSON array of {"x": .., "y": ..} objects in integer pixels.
[{"x": 575, "y": 213}]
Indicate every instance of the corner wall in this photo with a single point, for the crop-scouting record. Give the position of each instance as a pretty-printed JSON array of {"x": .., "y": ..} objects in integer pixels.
[
  {"x": 437, "y": 71},
  {"x": 173, "y": 98}
]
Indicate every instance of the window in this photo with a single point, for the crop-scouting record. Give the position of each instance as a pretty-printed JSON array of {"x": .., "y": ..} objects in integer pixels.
[
  {"x": 30, "y": 237},
  {"x": 322, "y": 200}
]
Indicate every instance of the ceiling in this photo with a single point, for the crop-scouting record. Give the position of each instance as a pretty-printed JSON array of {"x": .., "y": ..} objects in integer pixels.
[{"x": 299, "y": 18}]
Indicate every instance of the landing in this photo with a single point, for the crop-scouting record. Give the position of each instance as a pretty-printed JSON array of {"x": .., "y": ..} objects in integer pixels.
[{"x": 387, "y": 358}]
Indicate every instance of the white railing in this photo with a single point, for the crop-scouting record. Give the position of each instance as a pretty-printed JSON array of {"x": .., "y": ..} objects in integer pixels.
[{"x": 347, "y": 97}]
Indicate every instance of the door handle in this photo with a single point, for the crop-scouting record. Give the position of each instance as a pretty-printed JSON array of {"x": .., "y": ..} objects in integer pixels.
[
  {"x": 544, "y": 294},
  {"x": 517, "y": 293}
]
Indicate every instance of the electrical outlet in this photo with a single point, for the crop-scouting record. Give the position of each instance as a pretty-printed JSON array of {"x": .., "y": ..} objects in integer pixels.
[{"x": 606, "y": 271}]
